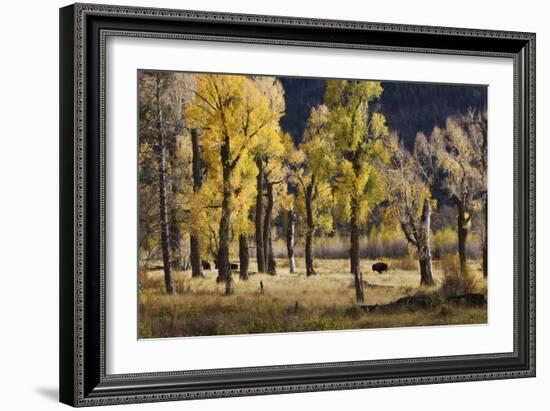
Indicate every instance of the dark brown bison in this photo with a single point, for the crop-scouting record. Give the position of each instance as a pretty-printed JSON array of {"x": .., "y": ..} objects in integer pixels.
[
  {"x": 379, "y": 267},
  {"x": 206, "y": 265}
]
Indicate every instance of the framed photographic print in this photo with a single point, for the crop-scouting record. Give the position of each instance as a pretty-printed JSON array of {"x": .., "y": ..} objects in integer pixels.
[{"x": 260, "y": 204}]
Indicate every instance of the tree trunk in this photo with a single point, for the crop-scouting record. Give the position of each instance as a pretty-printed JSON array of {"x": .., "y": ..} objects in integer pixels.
[
  {"x": 174, "y": 229},
  {"x": 175, "y": 239},
  {"x": 243, "y": 257},
  {"x": 260, "y": 257},
  {"x": 424, "y": 250},
  {"x": 172, "y": 189},
  {"x": 271, "y": 263},
  {"x": 224, "y": 269},
  {"x": 426, "y": 277},
  {"x": 359, "y": 292},
  {"x": 462, "y": 230},
  {"x": 164, "y": 234},
  {"x": 290, "y": 232},
  {"x": 268, "y": 245},
  {"x": 354, "y": 239},
  {"x": 309, "y": 231},
  {"x": 354, "y": 253},
  {"x": 484, "y": 237},
  {"x": 195, "y": 257},
  {"x": 483, "y": 127},
  {"x": 309, "y": 258},
  {"x": 195, "y": 253}
]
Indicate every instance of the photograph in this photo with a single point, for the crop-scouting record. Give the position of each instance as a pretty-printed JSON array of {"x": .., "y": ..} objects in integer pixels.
[
  {"x": 285, "y": 200},
  {"x": 274, "y": 204}
]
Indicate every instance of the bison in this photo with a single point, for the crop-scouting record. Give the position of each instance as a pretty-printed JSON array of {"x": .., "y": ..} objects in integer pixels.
[
  {"x": 206, "y": 265},
  {"x": 379, "y": 267}
]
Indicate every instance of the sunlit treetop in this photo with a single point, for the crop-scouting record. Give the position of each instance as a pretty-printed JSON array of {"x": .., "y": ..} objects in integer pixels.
[
  {"x": 356, "y": 128},
  {"x": 458, "y": 153}
]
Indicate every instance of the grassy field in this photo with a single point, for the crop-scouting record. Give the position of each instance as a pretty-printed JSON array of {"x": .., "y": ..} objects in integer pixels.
[{"x": 294, "y": 302}]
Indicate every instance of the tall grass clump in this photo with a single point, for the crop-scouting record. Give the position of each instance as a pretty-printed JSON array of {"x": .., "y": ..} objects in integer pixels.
[
  {"x": 454, "y": 282},
  {"x": 406, "y": 263},
  {"x": 148, "y": 281}
]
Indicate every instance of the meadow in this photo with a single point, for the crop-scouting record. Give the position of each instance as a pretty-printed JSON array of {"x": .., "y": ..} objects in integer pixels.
[{"x": 294, "y": 302}]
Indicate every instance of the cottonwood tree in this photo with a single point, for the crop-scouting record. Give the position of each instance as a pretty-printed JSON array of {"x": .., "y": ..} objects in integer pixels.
[
  {"x": 195, "y": 255},
  {"x": 289, "y": 203},
  {"x": 408, "y": 179},
  {"x": 276, "y": 169},
  {"x": 207, "y": 203},
  {"x": 273, "y": 178},
  {"x": 179, "y": 189},
  {"x": 355, "y": 126},
  {"x": 184, "y": 166},
  {"x": 312, "y": 164},
  {"x": 460, "y": 152},
  {"x": 241, "y": 225},
  {"x": 148, "y": 232},
  {"x": 267, "y": 155},
  {"x": 149, "y": 242},
  {"x": 232, "y": 111},
  {"x": 475, "y": 123},
  {"x": 205, "y": 206},
  {"x": 153, "y": 127}
]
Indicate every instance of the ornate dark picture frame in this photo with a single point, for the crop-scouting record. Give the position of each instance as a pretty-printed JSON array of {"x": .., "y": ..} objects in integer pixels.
[{"x": 83, "y": 31}]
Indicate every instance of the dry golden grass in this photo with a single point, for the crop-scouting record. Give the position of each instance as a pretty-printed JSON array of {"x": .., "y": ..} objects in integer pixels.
[
  {"x": 290, "y": 302},
  {"x": 406, "y": 263}
]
